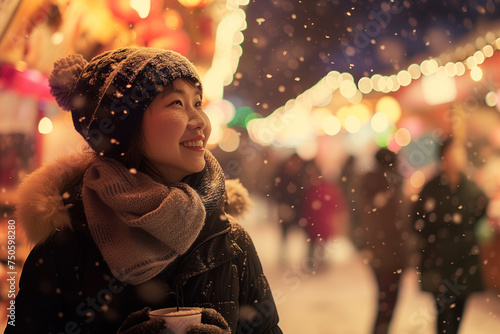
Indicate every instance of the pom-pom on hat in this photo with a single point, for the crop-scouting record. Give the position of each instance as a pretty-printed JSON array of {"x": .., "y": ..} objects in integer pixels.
[{"x": 108, "y": 95}]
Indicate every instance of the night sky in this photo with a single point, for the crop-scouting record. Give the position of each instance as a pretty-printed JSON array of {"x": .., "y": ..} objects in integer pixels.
[{"x": 291, "y": 44}]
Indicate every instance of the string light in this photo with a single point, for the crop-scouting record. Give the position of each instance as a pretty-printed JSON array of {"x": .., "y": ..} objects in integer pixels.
[
  {"x": 266, "y": 131},
  {"x": 433, "y": 70},
  {"x": 228, "y": 50}
]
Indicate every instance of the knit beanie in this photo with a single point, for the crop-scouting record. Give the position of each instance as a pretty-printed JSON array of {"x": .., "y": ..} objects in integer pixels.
[{"x": 108, "y": 95}]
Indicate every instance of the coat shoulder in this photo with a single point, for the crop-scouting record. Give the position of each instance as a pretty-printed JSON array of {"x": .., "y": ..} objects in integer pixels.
[{"x": 41, "y": 209}]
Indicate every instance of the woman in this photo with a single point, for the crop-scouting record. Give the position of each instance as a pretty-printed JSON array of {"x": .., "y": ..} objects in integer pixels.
[{"x": 142, "y": 223}]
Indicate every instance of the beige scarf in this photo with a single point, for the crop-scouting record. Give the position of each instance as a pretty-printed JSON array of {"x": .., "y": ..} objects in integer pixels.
[{"x": 139, "y": 225}]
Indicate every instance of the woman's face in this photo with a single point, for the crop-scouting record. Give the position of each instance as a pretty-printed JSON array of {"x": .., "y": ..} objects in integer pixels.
[{"x": 175, "y": 131}]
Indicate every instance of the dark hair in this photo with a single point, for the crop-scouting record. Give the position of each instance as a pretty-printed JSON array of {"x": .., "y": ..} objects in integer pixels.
[
  {"x": 386, "y": 158},
  {"x": 444, "y": 145}
]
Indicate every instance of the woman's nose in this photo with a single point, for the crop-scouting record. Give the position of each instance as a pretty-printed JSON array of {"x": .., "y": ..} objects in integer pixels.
[{"x": 197, "y": 120}]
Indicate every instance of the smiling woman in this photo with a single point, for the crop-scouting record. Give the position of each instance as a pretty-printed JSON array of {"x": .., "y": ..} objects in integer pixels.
[
  {"x": 139, "y": 222},
  {"x": 175, "y": 130}
]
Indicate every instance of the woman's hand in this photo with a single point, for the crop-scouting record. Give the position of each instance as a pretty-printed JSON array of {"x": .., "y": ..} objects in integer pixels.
[
  {"x": 139, "y": 323},
  {"x": 211, "y": 323}
]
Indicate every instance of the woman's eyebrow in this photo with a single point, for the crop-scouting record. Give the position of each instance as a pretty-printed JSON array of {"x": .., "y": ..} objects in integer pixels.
[{"x": 166, "y": 92}]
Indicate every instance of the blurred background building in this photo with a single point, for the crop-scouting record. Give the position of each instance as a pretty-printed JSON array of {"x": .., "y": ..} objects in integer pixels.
[{"x": 330, "y": 81}]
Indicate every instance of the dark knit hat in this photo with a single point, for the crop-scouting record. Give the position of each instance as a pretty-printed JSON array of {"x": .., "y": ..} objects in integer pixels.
[{"x": 108, "y": 95}]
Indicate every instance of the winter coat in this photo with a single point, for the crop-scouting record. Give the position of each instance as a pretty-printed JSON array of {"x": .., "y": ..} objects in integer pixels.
[
  {"x": 445, "y": 218},
  {"x": 66, "y": 286},
  {"x": 323, "y": 207},
  {"x": 383, "y": 211}
]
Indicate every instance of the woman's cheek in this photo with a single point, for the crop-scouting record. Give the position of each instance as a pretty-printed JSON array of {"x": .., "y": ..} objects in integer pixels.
[{"x": 208, "y": 128}]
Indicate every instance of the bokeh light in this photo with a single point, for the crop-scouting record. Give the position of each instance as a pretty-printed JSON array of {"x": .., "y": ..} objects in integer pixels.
[
  {"x": 476, "y": 73},
  {"x": 417, "y": 179},
  {"x": 352, "y": 124},
  {"x": 438, "y": 89},
  {"x": 230, "y": 140},
  {"x": 379, "y": 122},
  {"x": 392, "y": 143},
  {"x": 45, "y": 126},
  {"x": 402, "y": 137},
  {"x": 390, "y": 107},
  {"x": 331, "y": 125},
  {"x": 491, "y": 99}
]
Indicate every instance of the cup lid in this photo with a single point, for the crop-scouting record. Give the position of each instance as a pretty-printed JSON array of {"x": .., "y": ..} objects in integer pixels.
[{"x": 172, "y": 312}]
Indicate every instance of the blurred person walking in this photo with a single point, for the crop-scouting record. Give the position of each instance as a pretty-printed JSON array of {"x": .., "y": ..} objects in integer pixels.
[
  {"x": 325, "y": 214},
  {"x": 386, "y": 234},
  {"x": 289, "y": 191},
  {"x": 445, "y": 216},
  {"x": 348, "y": 183}
]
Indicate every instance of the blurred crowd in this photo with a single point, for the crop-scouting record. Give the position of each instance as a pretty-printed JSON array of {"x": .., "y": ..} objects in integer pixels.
[{"x": 448, "y": 230}]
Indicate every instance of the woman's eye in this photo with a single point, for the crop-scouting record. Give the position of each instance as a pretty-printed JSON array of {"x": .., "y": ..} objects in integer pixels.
[
  {"x": 198, "y": 104},
  {"x": 178, "y": 102}
]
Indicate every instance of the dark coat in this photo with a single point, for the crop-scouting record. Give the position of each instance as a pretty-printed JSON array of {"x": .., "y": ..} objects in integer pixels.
[
  {"x": 66, "y": 286},
  {"x": 386, "y": 230},
  {"x": 445, "y": 218}
]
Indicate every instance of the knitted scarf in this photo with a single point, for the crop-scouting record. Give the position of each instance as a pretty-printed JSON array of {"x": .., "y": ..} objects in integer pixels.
[{"x": 139, "y": 225}]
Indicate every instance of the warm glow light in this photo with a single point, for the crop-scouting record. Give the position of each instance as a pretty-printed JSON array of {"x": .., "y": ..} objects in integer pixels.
[
  {"x": 423, "y": 67},
  {"x": 332, "y": 79},
  {"x": 220, "y": 112},
  {"x": 460, "y": 68},
  {"x": 308, "y": 150},
  {"x": 230, "y": 140},
  {"x": 414, "y": 124},
  {"x": 45, "y": 126},
  {"x": 319, "y": 114},
  {"x": 331, "y": 125},
  {"x": 414, "y": 71},
  {"x": 479, "y": 57},
  {"x": 375, "y": 79},
  {"x": 142, "y": 7},
  {"x": 390, "y": 107},
  {"x": 402, "y": 137},
  {"x": 68, "y": 119},
  {"x": 259, "y": 132},
  {"x": 342, "y": 114},
  {"x": 451, "y": 69},
  {"x": 438, "y": 89},
  {"x": 404, "y": 78},
  {"x": 361, "y": 111},
  {"x": 491, "y": 99},
  {"x": 476, "y": 74},
  {"x": 357, "y": 98},
  {"x": 488, "y": 51},
  {"x": 227, "y": 54},
  {"x": 365, "y": 85},
  {"x": 395, "y": 85},
  {"x": 194, "y": 3},
  {"x": 352, "y": 124},
  {"x": 347, "y": 88},
  {"x": 471, "y": 62},
  {"x": 417, "y": 179},
  {"x": 379, "y": 122},
  {"x": 392, "y": 144},
  {"x": 173, "y": 19},
  {"x": 216, "y": 135},
  {"x": 431, "y": 66}
]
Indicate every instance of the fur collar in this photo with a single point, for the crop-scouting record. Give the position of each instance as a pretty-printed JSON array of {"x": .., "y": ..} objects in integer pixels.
[{"x": 41, "y": 209}]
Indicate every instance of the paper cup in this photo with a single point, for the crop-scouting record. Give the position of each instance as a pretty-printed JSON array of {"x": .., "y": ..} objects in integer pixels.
[{"x": 178, "y": 322}]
